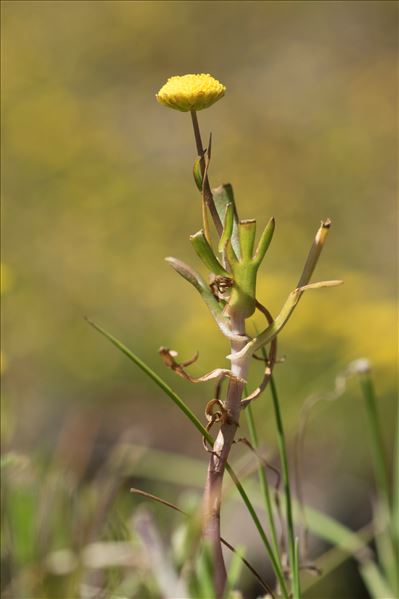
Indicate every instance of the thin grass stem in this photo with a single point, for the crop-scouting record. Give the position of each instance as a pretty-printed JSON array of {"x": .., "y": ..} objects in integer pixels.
[
  {"x": 377, "y": 445},
  {"x": 286, "y": 481},
  {"x": 260, "y": 529},
  {"x": 263, "y": 483},
  {"x": 391, "y": 551}
]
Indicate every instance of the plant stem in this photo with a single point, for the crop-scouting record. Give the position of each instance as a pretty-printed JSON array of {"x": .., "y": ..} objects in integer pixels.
[
  {"x": 218, "y": 460},
  {"x": 377, "y": 445},
  {"x": 287, "y": 489},
  {"x": 208, "y": 197}
]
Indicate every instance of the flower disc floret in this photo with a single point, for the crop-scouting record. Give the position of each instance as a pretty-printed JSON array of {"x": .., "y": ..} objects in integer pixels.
[{"x": 190, "y": 92}]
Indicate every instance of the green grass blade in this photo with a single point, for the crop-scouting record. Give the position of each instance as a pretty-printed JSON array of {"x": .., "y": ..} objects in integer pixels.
[
  {"x": 234, "y": 572},
  {"x": 374, "y": 581},
  {"x": 327, "y": 528},
  {"x": 260, "y": 529},
  {"x": 296, "y": 583},
  {"x": 222, "y": 196},
  {"x": 228, "y": 224},
  {"x": 377, "y": 445},
  {"x": 388, "y": 548},
  {"x": 156, "y": 378}
]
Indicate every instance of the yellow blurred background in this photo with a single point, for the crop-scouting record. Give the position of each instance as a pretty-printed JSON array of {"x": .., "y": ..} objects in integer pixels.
[{"x": 97, "y": 190}]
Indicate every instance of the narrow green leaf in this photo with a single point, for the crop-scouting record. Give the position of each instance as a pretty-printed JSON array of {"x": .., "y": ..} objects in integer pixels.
[
  {"x": 282, "y": 447},
  {"x": 222, "y": 196},
  {"x": 227, "y": 227},
  {"x": 375, "y": 582},
  {"x": 296, "y": 583},
  {"x": 260, "y": 530},
  {"x": 263, "y": 482},
  {"x": 234, "y": 571},
  {"x": 156, "y": 378},
  {"x": 386, "y": 540},
  {"x": 197, "y": 173},
  {"x": 205, "y": 572},
  {"x": 265, "y": 240},
  {"x": 206, "y": 255}
]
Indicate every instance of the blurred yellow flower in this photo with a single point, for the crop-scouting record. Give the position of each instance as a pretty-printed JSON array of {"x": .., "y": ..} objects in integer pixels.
[{"x": 190, "y": 92}]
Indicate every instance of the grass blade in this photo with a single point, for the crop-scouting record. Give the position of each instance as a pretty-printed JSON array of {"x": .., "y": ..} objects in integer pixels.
[
  {"x": 389, "y": 551},
  {"x": 374, "y": 581},
  {"x": 156, "y": 378}
]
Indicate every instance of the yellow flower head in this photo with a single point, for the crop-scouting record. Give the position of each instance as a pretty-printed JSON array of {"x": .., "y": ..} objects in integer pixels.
[{"x": 190, "y": 92}]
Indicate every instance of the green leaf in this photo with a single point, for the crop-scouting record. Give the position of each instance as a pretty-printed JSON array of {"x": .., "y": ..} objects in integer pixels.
[
  {"x": 265, "y": 240},
  {"x": 296, "y": 583},
  {"x": 197, "y": 173},
  {"x": 227, "y": 227},
  {"x": 205, "y": 253},
  {"x": 156, "y": 378},
  {"x": 234, "y": 570},
  {"x": 375, "y": 582},
  {"x": 222, "y": 196}
]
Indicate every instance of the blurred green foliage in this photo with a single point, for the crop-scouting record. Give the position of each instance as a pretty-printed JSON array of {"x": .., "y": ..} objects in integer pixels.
[{"x": 97, "y": 190}]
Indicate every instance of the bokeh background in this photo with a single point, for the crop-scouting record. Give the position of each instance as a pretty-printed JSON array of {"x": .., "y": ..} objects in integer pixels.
[{"x": 97, "y": 190}]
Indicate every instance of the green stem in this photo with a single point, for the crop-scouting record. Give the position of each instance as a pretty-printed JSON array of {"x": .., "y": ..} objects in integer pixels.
[
  {"x": 264, "y": 485},
  {"x": 377, "y": 445},
  {"x": 259, "y": 527},
  {"x": 287, "y": 489},
  {"x": 382, "y": 478}
]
